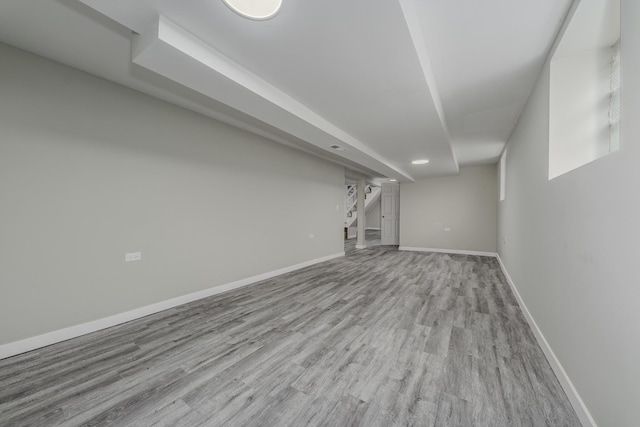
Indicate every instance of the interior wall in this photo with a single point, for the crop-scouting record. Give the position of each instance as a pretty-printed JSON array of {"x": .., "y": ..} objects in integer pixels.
[
  {"x": 90, "y": 170},
  {"x": 373, "y": 216},
  {"x": 571, "y": 246},
  {"x": 455, "y": 212}
]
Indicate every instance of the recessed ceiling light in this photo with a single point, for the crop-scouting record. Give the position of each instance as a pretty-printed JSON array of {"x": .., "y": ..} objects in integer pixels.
[
  {"x": 255, "y": 9},
  {"x": 420, "y": 162},
  {"x": 392, "y": 180}
]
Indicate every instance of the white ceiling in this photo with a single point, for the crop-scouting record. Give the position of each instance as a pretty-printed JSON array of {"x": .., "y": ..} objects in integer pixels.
[{"x": 391, "y": 81}]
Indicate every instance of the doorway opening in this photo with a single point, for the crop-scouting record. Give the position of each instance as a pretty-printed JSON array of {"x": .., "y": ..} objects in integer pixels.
[{"x": 374, "y": 206}]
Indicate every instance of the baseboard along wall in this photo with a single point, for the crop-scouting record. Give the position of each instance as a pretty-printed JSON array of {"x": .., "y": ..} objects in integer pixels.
[
  {"x": 39, "y": 341},
  {"x": 448, "y": 251},
  {"x": 576, "y": 401}
]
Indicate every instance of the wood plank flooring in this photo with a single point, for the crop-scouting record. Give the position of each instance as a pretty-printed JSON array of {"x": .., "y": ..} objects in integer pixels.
[{"x": 378, "y": 338}]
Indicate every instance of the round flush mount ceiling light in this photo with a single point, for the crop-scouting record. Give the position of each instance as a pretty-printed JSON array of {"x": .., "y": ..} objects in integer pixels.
[
  {"x": 420, "y": 162},
  {"x": 254, "y": 9}
]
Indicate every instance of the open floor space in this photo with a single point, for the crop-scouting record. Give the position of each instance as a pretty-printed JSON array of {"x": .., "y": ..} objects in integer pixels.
[{"x": 380, "y": 337}]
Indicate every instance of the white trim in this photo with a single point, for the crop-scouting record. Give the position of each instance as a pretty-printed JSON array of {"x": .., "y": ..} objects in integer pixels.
[
  {"x": 373, "y": 228},
  {"x": 33, "y": 343},
  {"x": 448, "y": 251},
  {"x": 576, "y": 401},
  {"x": 361, "y": 246}
]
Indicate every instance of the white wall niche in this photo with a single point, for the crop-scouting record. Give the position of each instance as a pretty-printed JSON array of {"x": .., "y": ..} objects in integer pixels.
[{"x": 582, "y": 92}]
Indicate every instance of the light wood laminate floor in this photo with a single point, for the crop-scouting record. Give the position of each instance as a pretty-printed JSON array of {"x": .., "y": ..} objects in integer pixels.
[{"x": 378, "y": 338}]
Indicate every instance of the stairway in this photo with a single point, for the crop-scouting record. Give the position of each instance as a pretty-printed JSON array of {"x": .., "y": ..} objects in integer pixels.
[{"x": 371, "y": 194}]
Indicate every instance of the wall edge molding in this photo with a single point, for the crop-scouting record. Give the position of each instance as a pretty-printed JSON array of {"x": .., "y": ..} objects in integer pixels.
[
  {"x": 572, "y": 394},
  {"x": 448, "y": 251},
  {"x": 33, "y": 343}
]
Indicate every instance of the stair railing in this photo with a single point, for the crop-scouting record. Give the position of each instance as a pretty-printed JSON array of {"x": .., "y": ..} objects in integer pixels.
[{"x": 351, "y": 199}]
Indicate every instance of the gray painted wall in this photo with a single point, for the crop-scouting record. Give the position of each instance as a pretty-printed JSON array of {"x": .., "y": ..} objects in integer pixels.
[
  {"x": 466, "y": 204},
  {"x": 373, "y": 216},
  {"x": 572, "y": 246},
  {"x": 90, "y": 170}
]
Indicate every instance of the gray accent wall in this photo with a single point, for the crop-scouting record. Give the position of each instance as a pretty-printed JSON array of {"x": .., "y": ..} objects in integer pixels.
[
  {"x": 90, "y": 170},
  {"x": 465, "y": 204},
  {"x": 571, "y": 246}
]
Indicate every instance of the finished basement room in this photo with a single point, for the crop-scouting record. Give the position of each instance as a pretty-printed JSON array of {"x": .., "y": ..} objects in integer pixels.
[{"x": 330, "y": 213}]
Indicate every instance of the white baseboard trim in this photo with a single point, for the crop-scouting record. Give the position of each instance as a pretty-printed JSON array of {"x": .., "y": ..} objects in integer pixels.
[
  {"x": 33, "y": 343},
  {"x": 576, "y": 401},
  {"x": 361, "y": 246},
  {"x": 373, "y": 228},
  {"x": 448, "y": 251}
]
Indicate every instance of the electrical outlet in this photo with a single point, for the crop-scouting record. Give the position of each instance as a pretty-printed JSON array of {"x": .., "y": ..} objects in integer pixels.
[
  {"x": 311, "y": 236},
  {"x": 133, "y": 256}
]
